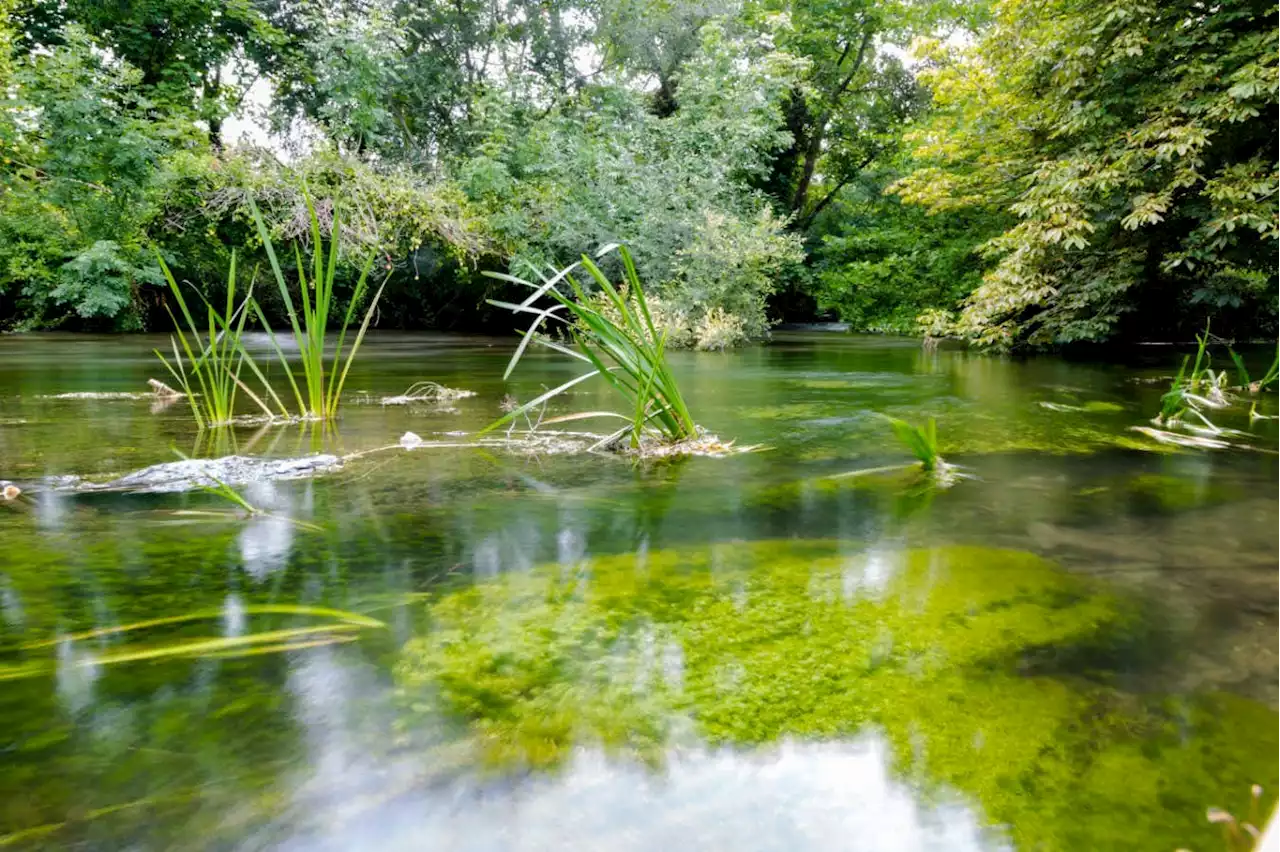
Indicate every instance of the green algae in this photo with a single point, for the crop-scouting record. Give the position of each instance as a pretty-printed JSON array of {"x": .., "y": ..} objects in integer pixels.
[{"x": 984, "y": 668}]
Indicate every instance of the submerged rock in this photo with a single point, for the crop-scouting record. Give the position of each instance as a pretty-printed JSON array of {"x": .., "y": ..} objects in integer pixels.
[{"x": 191, "y": 474}]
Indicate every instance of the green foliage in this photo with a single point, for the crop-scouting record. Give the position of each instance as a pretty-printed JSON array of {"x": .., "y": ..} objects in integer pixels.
[
  {"x": 881, "y": 264},
  {"x": 1134, "y": 142},
  {"x": 727, "y": 269},
  {"x": 623, "y": 346},
  {"x": 439, "y": 154},
  {"x": 80, "y": 155},
  {"x": 183, "y": 49},
  {"x": 602, "y": 168},
  {"x": 405, "y": 80},
  {"x": 100, "y": 282}
]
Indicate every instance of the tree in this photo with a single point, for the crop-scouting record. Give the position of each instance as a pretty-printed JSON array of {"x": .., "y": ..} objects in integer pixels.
[
  {"x": 1135, "y": 142},
  {"x": 656, "y": 38},
  {"x": 75, "y": 190},
  {"x": 402, "y": 79},
  {"x": 604, "y": 167},
  {"x": 850, "y": 106},
  {"x": 181, "y": 48},
  {"x": 882, "y": 264}
]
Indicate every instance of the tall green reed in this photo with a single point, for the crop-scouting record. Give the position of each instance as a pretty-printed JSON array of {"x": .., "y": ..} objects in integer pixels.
[
  {"x": 623, "y": 347},
  {"x": 321, "y": 390},
  {"x": 207, "y": 364}
]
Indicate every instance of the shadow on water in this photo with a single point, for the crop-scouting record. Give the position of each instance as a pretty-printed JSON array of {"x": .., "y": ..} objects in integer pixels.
[{"x": 1073, "y": 650}]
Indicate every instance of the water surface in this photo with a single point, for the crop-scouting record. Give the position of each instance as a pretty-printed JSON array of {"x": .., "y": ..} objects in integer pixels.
[{"x": 1073, "y": 649}]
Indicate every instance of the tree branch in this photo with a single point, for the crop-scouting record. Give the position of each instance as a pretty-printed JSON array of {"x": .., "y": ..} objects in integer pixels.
[
  {"x": 857, "y": 65},
  {"x": 808, "y": 218}
]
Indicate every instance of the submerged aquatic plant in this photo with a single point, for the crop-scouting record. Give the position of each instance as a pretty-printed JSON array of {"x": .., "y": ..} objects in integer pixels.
[
  {"x": 215, "y": 486},
  {"x": 309, "y": 316},
  {"x": 338, "y": 626},
  {"x": 207, "y": 366},
  {"x": 221, "y": 489},
  {"x": 622, "y": 345}
]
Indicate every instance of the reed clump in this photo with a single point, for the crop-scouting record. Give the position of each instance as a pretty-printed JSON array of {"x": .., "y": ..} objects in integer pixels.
[
  {"x": 1197, "y": 390},
  {"x": 616, "y": 336},
  {"x": 209, "y": 361},
  {"x": 322, "y": 376}
]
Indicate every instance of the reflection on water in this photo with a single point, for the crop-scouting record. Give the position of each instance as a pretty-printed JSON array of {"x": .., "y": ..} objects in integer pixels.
[
  {"x": 265, "y": 539},
  {"x": 76, "y": 675},
  {"x": 796, "y": 795},
  {"x": 1074, "y": 650}
]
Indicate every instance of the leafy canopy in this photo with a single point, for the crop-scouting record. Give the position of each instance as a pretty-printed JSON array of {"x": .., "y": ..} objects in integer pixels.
[{"x": 1135, "y": 142}]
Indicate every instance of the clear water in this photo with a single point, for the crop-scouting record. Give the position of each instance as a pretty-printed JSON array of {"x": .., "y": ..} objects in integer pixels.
[{"x": 1074, "y": 649}]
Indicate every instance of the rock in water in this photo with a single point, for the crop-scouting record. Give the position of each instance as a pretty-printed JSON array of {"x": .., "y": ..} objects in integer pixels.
[
  {"x": 410, "y": 441},
  {"x": 191, "y": 474}
]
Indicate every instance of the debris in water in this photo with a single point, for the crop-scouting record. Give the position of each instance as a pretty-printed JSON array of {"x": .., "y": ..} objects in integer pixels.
[
  {"x": 702, "y": 444},
  {"x": 1095, "y": 406},
  {"x": 410, "y": 441},
  {"x": 98, "y": 395},
  {"x": 1177, "y": 440},
  {"x": 427, "y": 392},
  {"x": 162, "y": 390},
  {"x": 9, "y": 491}
]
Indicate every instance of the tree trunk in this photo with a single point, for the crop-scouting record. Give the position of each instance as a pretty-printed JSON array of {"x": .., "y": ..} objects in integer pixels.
[{"x": 816, "y": 135}]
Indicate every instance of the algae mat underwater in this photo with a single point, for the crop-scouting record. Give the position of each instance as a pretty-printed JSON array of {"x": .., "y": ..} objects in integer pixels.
[{"x": 989, "y": 672}]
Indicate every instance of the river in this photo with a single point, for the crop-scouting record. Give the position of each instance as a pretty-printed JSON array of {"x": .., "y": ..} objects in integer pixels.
[{"x": 1074, "y": 647}]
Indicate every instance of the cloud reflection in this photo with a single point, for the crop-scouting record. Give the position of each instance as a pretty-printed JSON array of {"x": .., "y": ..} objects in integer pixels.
[{"x": 799, "y": 795}]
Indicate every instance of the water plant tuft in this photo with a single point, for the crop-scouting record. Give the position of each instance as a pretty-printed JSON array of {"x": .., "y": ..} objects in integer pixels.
[
  {"x": 922, "y": 441},
  {"x": 1245, "y": 382},
  {"x": 622, "y": 345},
  {"x": 207, "y": 366},
  {"x": 1197, "y": 389},
  {"x": 321, "y": 390}
]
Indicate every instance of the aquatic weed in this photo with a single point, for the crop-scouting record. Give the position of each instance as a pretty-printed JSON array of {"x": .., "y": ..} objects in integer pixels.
[
  {"x": 922, "y": 441},
  {"x": 309, "y": 319},
  {"x": 622, "y": 345},
  {"x": 207, "y": 367}
]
